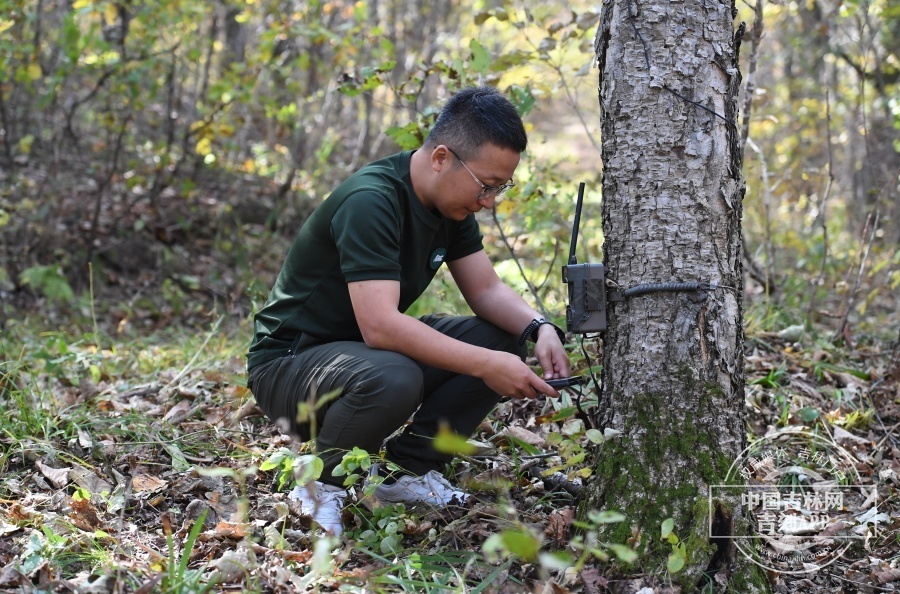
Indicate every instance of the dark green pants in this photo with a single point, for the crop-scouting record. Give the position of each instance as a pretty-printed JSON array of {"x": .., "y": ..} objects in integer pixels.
[{"x": 371, "y": 393}]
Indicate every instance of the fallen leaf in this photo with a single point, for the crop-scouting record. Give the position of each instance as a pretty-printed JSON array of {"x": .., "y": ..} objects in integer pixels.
[
  {"x": 179, "y": 462},
  {"x": 147, "y": 483},
  {"x": 7, "y": 528},
  {"x": 559, "y": 522},
  {"x": 273, "y": 537},
  {"x": 594, "y": 583},
  {"x": 59, "y": 477},
  {"x": 88, "y": 479},
  {"x": 872, "y": 516},
  {"x": 792, "y": 333},
  {"x": 297, "y": 556},
  {"x": 233, "y": 566},
  {"x": 84, "y": 516},
  {"x": 524, "y": 435},
  {"x": 10, "y": 577},
  {"x": 84, "y": 439},
  {"x": 551, "y": 587},
  {"x": 231, "y": 530},
  {"x": 16, "y": 513},
  {"x": 178, "y": 413},
  {"x": 885, "y": 576},
  {"x": 844, "y": 436}
]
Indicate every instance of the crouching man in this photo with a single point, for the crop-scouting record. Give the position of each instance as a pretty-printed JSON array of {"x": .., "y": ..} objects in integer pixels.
[{"x": 334, "y": 323}]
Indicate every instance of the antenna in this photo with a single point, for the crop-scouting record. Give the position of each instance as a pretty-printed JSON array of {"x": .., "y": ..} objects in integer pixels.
[{"x": 572, "y": 258}]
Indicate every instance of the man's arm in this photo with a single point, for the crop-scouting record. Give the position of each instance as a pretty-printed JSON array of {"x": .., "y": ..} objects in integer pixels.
[
  {"x": 384, "y": 327},
  {"x": 497, "y": 303}
]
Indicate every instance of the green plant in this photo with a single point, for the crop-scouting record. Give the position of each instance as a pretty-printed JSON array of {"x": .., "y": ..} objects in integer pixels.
[
  {"x": 819, "y": 369},
  {"x": 784, "y": 407},
  {"x": 518, "y": 542},
  {"x": 289, "y": 466},
  {"x": 43, "y": 545},
  {"x": 441, "y": 571},
  {"x": 354, "y": 465},
  {"x": 66, "y": 547},
  {"x": 384, "y": 530},
  {"x": 572, "y": 440},
  {"x": 678, "y": 556},
  {"x": 855, "y": 419},
  {"x": 49, "y": 281},
  {"x": 773, "y": 379},
  {"x": 588, "y": 545},
  {"x": 28, "y": 418},
  {"x": 178, "y": 579}
]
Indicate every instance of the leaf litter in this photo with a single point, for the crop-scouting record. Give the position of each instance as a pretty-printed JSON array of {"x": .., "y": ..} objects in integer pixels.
[{"x": 93, "y": 507}]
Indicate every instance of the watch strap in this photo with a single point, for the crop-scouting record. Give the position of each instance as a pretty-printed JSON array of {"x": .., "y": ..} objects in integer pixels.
[{"x": 530, "y": 332}]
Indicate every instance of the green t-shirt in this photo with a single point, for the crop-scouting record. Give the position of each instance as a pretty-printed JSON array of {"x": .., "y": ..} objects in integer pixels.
[{"x": 372, "y": 227}]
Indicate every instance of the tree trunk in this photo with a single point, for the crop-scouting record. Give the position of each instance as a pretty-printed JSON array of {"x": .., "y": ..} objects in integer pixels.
[{"x": 673, "y": 361}]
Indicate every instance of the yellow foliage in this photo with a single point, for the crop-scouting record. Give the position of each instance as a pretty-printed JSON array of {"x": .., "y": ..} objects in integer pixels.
[
  {"x": 34, "y": 71},
  {"x": 204, "y": 146},
  {"x": 505, "y": 208},
  {"x": 25, "y": 143},
  {"x": 110, "y": 14},
  {"x": 450, "y": 442}
]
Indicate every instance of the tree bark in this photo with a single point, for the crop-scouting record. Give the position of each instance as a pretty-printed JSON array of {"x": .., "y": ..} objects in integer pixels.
[{"x": 673, "y": 361}]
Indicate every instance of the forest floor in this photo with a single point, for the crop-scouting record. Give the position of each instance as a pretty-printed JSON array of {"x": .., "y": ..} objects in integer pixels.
[
  {"x": 112, "y": 451},
  {"x": 119, "y": 435}
]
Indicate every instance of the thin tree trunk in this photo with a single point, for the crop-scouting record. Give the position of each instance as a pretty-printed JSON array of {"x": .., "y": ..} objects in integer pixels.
[{"x": 673, "y": 361}]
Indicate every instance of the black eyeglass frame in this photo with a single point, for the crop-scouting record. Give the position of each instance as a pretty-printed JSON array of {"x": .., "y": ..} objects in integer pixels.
[{"x": 485, "y": 189}]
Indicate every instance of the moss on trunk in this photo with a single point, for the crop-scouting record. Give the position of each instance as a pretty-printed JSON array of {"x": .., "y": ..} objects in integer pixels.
[{"x": 629, "y": 480}]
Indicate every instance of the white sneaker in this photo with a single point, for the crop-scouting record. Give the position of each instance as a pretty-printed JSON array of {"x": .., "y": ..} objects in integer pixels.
[
  {"x": 323, "y": 503},
  {"x": 431, "y": 489}
]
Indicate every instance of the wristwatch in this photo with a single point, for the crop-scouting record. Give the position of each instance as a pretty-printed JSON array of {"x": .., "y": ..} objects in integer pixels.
[{"x": 531, "y": 331}]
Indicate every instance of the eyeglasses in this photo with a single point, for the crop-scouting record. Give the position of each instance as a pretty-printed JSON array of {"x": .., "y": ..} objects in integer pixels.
[{"x": 486, "y": 190}]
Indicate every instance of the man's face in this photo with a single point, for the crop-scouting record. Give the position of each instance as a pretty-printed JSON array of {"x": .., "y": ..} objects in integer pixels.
[{"x": 470, "y": 186}]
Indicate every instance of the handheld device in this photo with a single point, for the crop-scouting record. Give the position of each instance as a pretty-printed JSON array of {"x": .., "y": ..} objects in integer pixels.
[
  {"x": 586, "y": 311},
  {"x": 566, "y": 382}
]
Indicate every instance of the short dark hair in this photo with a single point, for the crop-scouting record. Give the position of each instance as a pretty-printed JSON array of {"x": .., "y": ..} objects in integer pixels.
[{"x": 476, "y": 116}]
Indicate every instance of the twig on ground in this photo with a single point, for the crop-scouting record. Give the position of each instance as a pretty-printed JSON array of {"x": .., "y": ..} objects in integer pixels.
[
  {"x": 767, "y": 208},
  {"x": 863, "y": 259},
  {"x": 537, "y": 298},
  {"x": 206, "y": 340},
  {"x": 823, "y": 209}
]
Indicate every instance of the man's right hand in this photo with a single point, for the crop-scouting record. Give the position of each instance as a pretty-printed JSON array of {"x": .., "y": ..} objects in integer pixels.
[{"x": 507, "y": 375}]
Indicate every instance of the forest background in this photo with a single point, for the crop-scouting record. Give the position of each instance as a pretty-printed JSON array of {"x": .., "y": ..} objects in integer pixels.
[{"x": 156, "y": 160}]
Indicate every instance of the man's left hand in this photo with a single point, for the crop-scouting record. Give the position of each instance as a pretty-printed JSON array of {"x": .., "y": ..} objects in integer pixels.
[{"x": 551, "y": 354}]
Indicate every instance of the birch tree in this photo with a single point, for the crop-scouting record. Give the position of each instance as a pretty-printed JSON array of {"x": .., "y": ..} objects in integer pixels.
[{"x": 673, "y": 364}]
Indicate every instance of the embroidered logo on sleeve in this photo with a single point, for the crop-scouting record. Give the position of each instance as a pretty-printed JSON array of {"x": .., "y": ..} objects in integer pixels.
[{"x": 437, "y": 258}]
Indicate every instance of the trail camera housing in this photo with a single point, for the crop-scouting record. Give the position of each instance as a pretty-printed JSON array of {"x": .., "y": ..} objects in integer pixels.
[{"x": 586, "y": 311}]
